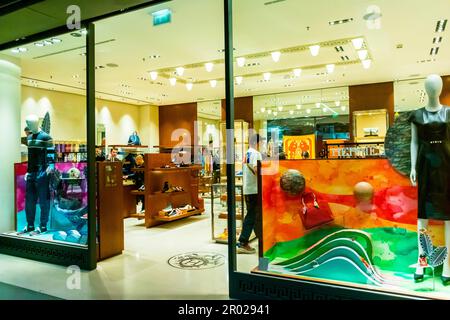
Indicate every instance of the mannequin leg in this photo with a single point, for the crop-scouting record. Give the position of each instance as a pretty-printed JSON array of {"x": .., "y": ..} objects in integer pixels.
[
  {"x": 446, "y": 266},
  {"x": 421, "y": 224}
]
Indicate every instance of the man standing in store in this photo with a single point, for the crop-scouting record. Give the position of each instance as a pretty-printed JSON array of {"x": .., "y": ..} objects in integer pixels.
[
  {"x": 113, "y": 155},
  {"x": 252, "y": 220}
]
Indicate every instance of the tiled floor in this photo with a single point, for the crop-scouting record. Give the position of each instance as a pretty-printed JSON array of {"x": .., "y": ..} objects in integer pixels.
[{"x": 142, "y": 271}]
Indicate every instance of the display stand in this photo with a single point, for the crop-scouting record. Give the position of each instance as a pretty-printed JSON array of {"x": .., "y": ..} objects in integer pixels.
[
  {"x": 219, "y": 212},
  {"x": 109, "y": 209},
  {"x": 155, "y": 176}
]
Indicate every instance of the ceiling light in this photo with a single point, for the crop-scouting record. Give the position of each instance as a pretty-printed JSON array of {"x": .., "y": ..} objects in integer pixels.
[
  {"x": 332, "y": 23},
  {"x": 269, "y": 111},
  {"x": 280, "y": 108},
  {"x": 239, "y": 79},
  {"x": 308, "y": 111},
  {"x": 173, "y": 81},
  {"x": 297, "y": 72},
  {"x": 362, "y": 54},
  {"x": 240, "y": 61},
  {"x": 275, "y": 113},
  {"x": 213, "y": 83},
  {"x": 84, "y": 32},
  {"x": 155, "y": 56},
  {"x": 180, "y": 71},
  {"x": 317, "y": 105},
  {"x": 358, "y": 43},
  {"x": 16, "y": 50},
  {"x": 434, "y": 51},
  {"x": 343, "y": 108},
  {"x": 437, "y": 40},
  {"x": 39, "y": 44},
  {"x": 153, "y": 75},
  {"x": 314, "y": 50},
  {"x": 367, "y": 63},
  {"x": 324, "y": 110},
  {"x": 189, "y": 86},
  {"x": 267, "y": 76},
  {"x": 330, "y": 68},
  {"x": 276, "y": 56},
  {"x": 263, "y": 109},
  {"x": 209, "y": 66},
  {"x": 55, "y": 40},
  {"x": 338, "y": 103},
  {"x": 299, "y": 106},
  {"x": 291, "y": 112},
  {"x": 440, "y": 26},
  {"x": 76, "y": 76}
]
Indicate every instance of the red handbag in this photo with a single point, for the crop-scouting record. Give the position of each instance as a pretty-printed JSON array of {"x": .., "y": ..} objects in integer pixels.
[{"x": 313, "y": 214}]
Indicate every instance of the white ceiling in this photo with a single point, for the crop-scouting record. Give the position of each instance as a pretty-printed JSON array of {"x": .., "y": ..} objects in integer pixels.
[{"x": 195, "y": 36}]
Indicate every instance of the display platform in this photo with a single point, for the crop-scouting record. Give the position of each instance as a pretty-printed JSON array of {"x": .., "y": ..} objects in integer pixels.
[{"x": 348, "y": 222}]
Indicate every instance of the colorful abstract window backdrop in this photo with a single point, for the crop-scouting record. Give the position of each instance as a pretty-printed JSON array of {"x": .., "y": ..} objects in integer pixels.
[{"x": 350, "y": 220}]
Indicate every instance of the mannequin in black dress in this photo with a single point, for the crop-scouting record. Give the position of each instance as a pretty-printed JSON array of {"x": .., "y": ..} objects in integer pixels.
[{"x": 430, "y": 166}]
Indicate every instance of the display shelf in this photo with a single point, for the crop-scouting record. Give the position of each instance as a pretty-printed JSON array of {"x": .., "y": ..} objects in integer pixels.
[
  {"x": 139, "y": 216},
  {"x": 224, "y": 215},
  {"x": 180, "y": 216},
  {"x": 137, "y": 169},
  {"x": 138, "y": 193}
]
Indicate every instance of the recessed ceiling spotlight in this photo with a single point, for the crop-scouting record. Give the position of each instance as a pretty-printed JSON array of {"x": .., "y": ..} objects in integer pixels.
[
  {"x": 209, "y": 66},
  {"x": 153, "y": 75},
  {"x": 240, "y": 61},
  {"x": 180, "y": 71},
  {"x": 297, "y": 72},
  {"x": 16, "y": 50},
  {"x": 276, "y": 56},
  {"x": 291, "y": 112},
  {"x": 83, "y": 54},
  {"x": 362, "y": 54},
  {"x": 55, "y": 40},
  {"x": 299, "y": 106},
  {"x": 76, "y": 76},
  {"x": 343, "y": 108},
  {"x": 39, "y": 44},
  {"x": 239, "y": 80},
  {"x": 267, "y": 76},
  {"x": 275, "y": 113},
  {"x": 317, "y": 105},
  {"x": 314, "y": 50},
  {"x": 280, "y": 108},
  {"x": 338, "y": 103},
  {"x": 263, "y": 109},
  {"x": 367, "y": 63},
  {"x": 213, "y": 83},
  {"x": 330, "y": 68},
  {"x": 189, "y": 86},
  {"x": 358, "y": 43},
  {"x": 308, "y": 111},
  {"x": 155, "y": 56},
  {"x": 173, "y": 81},
  {"x": 324, "y": 109}
]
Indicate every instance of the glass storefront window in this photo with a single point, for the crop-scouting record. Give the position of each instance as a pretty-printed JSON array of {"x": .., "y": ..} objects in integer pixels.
[
  {"x": 45, "y": 196},
  {"x": 350, "y": 213}
]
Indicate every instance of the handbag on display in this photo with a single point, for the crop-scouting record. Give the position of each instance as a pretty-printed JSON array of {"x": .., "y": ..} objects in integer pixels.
[{"x": 312, "y": 213}]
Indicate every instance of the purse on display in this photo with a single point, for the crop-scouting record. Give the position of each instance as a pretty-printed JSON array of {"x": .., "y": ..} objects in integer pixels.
[{"x": 314, "y": 214}]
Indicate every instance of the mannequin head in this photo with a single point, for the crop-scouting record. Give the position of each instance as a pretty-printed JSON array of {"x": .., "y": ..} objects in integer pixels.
[
  {"x": 433, "y": 86},
  {"x": 33, "y": 123}
]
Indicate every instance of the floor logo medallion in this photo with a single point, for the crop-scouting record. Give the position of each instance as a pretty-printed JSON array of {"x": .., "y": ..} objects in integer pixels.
[{"x": 197, "y": 260}]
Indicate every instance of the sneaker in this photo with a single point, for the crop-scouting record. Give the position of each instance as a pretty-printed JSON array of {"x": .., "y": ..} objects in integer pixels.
[
  {"x": 42, "y": 229},
  {"x": 245, "y": 249},
  {"x": 26, "y": 230}
]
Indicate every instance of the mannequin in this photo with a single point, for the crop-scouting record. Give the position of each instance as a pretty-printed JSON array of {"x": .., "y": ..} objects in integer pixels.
[
  {"x": 430, "y": 166},
  {"x": 37, "y": 185},
  {"x": 134, "y": 139}
]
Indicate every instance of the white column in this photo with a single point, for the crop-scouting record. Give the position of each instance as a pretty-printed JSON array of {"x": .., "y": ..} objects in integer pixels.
[{"x": 10, "y": 105}]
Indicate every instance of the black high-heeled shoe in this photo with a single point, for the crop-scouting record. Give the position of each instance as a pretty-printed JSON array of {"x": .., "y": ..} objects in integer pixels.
[
  {"x": 445, "y": 280},
  {"x": 418, "y": 277}
]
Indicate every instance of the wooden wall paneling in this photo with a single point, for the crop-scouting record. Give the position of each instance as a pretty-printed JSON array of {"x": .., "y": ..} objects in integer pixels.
[
  {"x": 371, "y": 97},
  {"x": 445, "y": 96},
  {"x": 243, "y": 110},
  {"x": 173, "y": 117}
]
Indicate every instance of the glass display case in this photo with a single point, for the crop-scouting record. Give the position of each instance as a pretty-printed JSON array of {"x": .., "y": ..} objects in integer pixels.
[
  {"x": 370, "y": 125},
  {"x": 240, "y": 145},
  {"x": 219, "y": 212}
]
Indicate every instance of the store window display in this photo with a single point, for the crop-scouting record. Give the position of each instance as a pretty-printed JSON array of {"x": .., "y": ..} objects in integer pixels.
[
  {"x": 37, "y": 176},
  {"x": 430, "y": 169}
]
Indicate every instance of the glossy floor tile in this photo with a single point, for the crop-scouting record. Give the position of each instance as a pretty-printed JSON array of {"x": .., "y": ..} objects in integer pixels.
[{"x": 141, "y": 272}]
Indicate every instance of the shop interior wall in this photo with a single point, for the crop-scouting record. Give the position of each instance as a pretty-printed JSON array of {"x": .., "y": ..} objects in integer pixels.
[
  {"x": 445, "y": 96},
  {"x": 68, "y": 116},
  {"x": 177, "y": 116},
  {"x": 371, "y": 97},
  {"x": 243, "y": 110}
]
